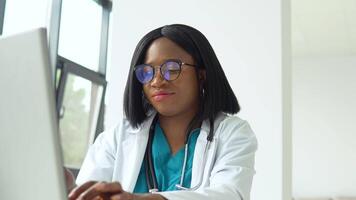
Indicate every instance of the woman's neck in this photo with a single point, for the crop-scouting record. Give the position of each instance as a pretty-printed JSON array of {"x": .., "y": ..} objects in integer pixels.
[{"x": 175, "y": 128}]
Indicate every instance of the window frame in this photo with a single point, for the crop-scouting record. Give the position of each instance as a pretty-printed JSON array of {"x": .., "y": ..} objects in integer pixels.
[
  {"x": 2, "y": 14},
  {"x": 69, "y": 67}
]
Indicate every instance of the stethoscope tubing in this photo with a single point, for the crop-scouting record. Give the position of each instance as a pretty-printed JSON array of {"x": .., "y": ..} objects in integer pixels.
[
  {"x": 150, "y": 174},
  {"x": 180, "y": 186}
]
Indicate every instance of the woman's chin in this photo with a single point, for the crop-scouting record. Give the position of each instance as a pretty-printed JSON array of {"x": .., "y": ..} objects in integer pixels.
[{"x": 166, "y": 112}]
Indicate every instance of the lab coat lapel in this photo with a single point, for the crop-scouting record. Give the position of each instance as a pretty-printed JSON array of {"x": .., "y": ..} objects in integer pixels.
[
  {"x": 198, "y": 158},
  {"x": 197, "y": 168},
  {"x": 134, "y": 151}
]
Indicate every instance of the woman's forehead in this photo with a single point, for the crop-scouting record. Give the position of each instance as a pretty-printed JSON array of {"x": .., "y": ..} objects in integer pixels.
[{"x": 162, "y": 49}]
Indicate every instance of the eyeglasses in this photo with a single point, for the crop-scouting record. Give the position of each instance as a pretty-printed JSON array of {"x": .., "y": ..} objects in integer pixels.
[{"x": 170, "y": 70}]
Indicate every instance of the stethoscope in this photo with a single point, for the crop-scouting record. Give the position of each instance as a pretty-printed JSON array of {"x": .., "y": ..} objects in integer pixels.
[{"x": 150, "y": 172}]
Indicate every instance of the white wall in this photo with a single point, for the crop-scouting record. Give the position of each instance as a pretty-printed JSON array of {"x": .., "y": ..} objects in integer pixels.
[
  {"x": 324, "y": 98},
  {"x": 247, "y": 38},
  {"x": 324, "y": 131}
]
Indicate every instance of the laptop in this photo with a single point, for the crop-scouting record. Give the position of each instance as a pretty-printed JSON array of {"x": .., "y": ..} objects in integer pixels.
[{"x": 30, "y": 155}]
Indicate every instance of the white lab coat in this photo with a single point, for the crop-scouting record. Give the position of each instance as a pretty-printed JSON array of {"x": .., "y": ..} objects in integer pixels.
[{"x": 117, "y": 155}]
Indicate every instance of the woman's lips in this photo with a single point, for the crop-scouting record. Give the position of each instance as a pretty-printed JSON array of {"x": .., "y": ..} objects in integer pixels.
[{"x": 161, "y": 96}]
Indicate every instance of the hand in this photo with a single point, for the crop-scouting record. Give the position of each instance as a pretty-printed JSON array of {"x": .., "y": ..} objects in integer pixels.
[
  {"x": 98, "y": 190},
  {"x": 94, "y": 190},
  {"x": 129, "y": 196}
]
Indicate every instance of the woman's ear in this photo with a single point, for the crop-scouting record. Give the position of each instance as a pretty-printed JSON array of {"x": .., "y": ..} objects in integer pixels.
[{"x": 202, "y": 76}]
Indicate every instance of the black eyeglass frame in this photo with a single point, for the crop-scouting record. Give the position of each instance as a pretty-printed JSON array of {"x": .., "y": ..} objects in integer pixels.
[{"x": 179, "y": 62}]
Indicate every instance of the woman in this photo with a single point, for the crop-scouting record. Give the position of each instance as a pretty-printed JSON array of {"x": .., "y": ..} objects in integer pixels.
[{"x": 176, "y": 140}]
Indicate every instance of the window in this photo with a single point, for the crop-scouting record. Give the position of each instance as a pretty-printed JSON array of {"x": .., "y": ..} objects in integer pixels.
[
  {"x": 79, "y": 101},
  {"x": 79, "y": 35},
  {"x": 81, "y": 28}
]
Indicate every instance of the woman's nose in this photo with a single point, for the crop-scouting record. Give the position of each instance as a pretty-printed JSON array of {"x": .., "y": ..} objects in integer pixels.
[{"x": 157, "y": 79}]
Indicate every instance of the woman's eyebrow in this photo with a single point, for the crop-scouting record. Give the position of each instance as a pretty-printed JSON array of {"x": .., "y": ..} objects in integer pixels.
[{"x": 163, "y": 61}]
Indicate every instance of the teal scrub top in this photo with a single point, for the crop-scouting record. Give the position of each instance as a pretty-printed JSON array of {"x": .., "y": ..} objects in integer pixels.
[{"x": 168, "y": 167}]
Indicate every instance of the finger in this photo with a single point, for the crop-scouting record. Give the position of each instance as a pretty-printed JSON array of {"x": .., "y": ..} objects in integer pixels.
[
  {"x": 122, "y": 196},
  {"x": 74, "y": 194},
  {"x": 116, "y": 197},
  {"x": 101, "y": 189}
]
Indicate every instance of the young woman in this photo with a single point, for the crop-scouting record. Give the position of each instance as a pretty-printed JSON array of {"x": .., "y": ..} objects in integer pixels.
[{"x": 176, "y": 140}]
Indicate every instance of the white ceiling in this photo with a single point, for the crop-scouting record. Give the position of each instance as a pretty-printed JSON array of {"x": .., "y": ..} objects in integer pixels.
[{"x": 323, "y": 28}]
